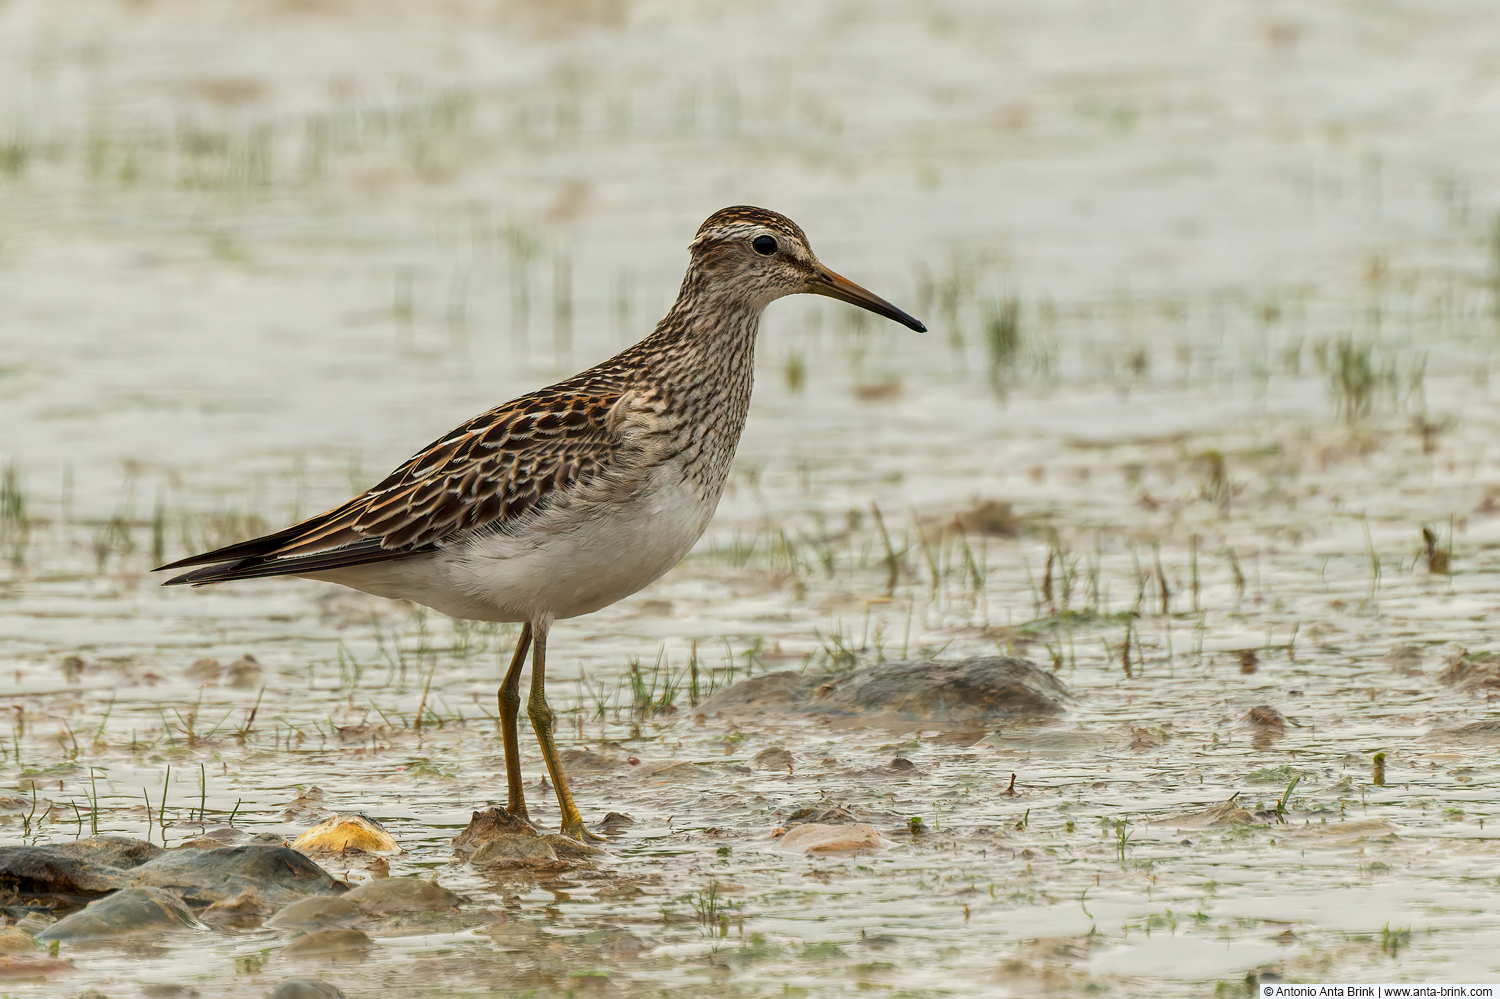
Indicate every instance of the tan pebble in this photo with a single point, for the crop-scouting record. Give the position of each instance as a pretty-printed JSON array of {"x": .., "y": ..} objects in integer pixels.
[
  {"x": 14, "y": 941},
  {"x": 347, "y": 831},
  {"x": 818, "y": 838}
]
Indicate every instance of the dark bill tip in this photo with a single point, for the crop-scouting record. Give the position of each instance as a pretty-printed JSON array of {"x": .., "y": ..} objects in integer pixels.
[{"x": 831, "y": 285}]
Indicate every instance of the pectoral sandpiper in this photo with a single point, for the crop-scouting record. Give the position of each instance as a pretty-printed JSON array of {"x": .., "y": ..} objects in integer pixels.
[{"x": 573, "y": 496}]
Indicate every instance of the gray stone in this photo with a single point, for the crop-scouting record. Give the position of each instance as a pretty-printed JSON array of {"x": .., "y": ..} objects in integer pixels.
[
  {"x": 129, "y": 910},
  {"x": 956, "y": 693},
  {"x": 276, "y": 874}
]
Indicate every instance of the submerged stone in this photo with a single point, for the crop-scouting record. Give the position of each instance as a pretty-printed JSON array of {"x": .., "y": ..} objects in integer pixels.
[
  {"x": 616, "y": 941},
  {"x": 774, "y": 758},
  {"x": 957, "y": 693},
  {"x": 1472, "y": 671},
  {"x": 388, "y": 895},
  {"x": 305, "y": 988},
  {"x": 246, "y": 909},
  {"x": 1224, "y": 814},
  {"x": 1266, "y": 718},
  {"x": 331, "y": 943},
  {"x": 827, "y": 815},
  {"x": 129, "y": 910},
  {"x": 814, "y": 837},
  {"x": 517, "y": 851},
  {"x": 316, "y": 912},
  {"x": 229, "y": 836},
  {"x": 275, "y": 874},
  {"x": 1480, "y": 731}
]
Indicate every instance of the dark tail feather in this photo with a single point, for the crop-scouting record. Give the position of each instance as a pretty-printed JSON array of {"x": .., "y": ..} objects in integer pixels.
[
  {"x": 253, "y": 549},
  {"x": 259, "y": 566}
]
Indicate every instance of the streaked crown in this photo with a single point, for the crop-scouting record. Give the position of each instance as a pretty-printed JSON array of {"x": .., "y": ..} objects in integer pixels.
[{"x": 738, "y": 218}]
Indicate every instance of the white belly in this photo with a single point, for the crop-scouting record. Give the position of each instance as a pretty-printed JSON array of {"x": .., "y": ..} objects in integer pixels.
[{"x": 560, "y": 571}]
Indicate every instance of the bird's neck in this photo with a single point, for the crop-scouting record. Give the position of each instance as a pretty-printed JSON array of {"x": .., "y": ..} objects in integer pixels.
[{"x": 709, "y": 332}]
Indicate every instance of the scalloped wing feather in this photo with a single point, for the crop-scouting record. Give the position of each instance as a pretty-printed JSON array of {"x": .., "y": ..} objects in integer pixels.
[{"x": 491, "y": 472}]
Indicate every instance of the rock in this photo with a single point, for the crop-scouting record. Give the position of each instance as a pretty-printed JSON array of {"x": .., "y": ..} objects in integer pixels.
[
  {"x": 33, "y": 923},
  {"x": 486, "y": 825},
  {"x": 306, "y": 805},
  {"x": 117, "y": 851},
  {"x": 567, "y": 846},
  {"x": 821, "y": 815},
  {"x": 495, "y": 838},
  {"x": 513, "y": 850},
  {"x": 229, "y": 836},
  {"x": 305, "y": 988},
  {"x": 85, "y": 868},
  {"x": 1224, "y": 814},
  {"x": 1480, "y": 731},
  {"x": 584, "y": 761},
  {"x": 316, "y": 912},
  {"x": 773, "y": 758},
  {"x": 40, "y": 870},
  {"x": 168, "y": 990},
  {"x": 513, "y": 935},
  {"x": 1406, "y": 659},
  {"x": 246, "y": 910},
  {"x": 674, "y": 771},
  {"x": 1266, "y": 718},
  {"x": 276, "y": 874},
  {"x": 330, "y": 943},
  {"x": 615, "y": 823},
  {"x": 129, "y": 910},
  {"x": 388, "y": 895},
  {"x": 1267, "y": 725},
  {"x": 785, "y": 691},
  {"x": 244, "y": 673},
  {"x": 347, "y": 832},
  {"x": 1471, "y": 671},
  {"x": 615, "y": 941},
  {"x": 14, "y": 941},
  {"x": 989, "y": 517},
  {"x": 815, "y": 837},
  {"x": 962, "y": 692}
]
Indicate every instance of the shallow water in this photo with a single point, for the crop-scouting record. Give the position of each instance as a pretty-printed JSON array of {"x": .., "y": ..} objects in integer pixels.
[{"x": 254, "y": 256}]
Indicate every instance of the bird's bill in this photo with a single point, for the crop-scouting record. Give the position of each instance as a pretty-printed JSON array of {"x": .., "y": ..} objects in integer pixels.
[{"x": 825, "y": 282}]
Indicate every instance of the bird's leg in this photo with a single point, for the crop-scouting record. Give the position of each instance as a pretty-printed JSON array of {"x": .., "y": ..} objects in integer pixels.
[
  {"x": 540, "y": 713},
  {"x": 510, "y": 708}
]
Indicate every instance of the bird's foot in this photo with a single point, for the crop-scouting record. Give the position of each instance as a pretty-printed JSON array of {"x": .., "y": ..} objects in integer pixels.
[
  {"x": 577, "y": 830},
  {"x": 519, "y": 813}
]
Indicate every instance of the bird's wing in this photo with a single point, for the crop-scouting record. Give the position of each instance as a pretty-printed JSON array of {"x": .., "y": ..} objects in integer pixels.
[{"x": 490, "y": 472}]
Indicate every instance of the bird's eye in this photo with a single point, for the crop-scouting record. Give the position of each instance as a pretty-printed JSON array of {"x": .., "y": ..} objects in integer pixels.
[{"x": 764, "y": 245}]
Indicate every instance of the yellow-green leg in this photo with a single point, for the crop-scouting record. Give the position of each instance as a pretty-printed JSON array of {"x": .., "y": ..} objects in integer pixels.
[
  {"x": 510, "y": 708},
  {"x": 540, "y": 713}
]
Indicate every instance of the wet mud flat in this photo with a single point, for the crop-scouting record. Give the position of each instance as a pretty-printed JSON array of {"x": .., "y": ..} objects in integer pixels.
[
  {"x": 1242, "y": 790},
  {"x": 1204, "y": 431}
]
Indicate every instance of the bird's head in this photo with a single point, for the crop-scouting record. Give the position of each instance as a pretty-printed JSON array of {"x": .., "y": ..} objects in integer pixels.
[{"x": 764, "y": 256}]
